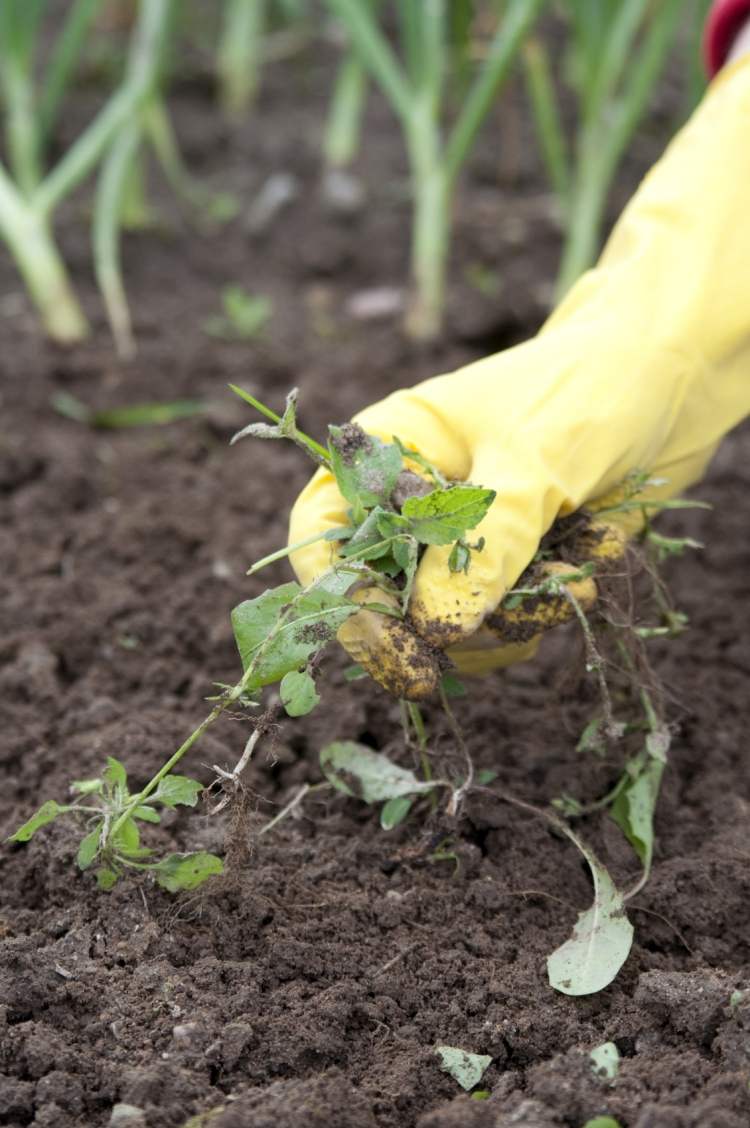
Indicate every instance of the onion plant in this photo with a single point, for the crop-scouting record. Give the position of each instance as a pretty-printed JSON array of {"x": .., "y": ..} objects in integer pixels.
[
  {"x": 617, "y": 53},
  {"x": 242, "y": 47},
  {"x": 30, "y": 192},
  {"x": 415, "y": 87}
]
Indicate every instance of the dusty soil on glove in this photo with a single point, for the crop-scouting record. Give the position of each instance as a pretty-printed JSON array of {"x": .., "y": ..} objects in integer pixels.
[{"x": 309, "y": 988}]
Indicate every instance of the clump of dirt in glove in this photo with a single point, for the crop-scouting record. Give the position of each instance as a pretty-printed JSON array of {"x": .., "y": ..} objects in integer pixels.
[{"x": 311, "y": 990}]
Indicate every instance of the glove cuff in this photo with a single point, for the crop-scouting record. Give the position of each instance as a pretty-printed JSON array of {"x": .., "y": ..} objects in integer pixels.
[{"x": 724, "y": 22}]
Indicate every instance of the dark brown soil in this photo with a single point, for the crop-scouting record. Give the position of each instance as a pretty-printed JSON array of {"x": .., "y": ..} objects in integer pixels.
[{"x": 310, "y": 988}]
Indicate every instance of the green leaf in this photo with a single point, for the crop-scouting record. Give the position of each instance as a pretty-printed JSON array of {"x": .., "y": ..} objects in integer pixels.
[
  {"x": 365, "y": 468},
  {"x": 115, "y": 773},
  {"x": 633, "y": 811},
  {"x": 147, "y": 814},
  {"x": 460, "y": 558},
  {"x": 465, "y": 1068},
  {"x": 452, "y": 686},
  {"x": 369, "y": 542},
  {"x": 601, "y": 940},
  {"x": 281, "y": 629},
  {"x": 245, "y": 315},
  {"x": 128, "y": 839},
  {"x": 175, "y": 790},
  {"x": 605, "y": 1061},
  {"x": 89, "y": 848},
  {"x": 591, "y": 739},
  {"x": 47, "y": 813},
  {"x": 356, "y": 770},
  {"x": 603, "y": 1122},
  {"x": 86, "y": 786},
  {"x": 106, "y": 878},
  {"x": 186, "y": 871},
  {"x": 443, "y": 516},
  {"x": 133, "y": 415},
  {"x": 298, "y": 693},
  {"x": 355, "y": 673},
  {"x": 395, "y": 811}
]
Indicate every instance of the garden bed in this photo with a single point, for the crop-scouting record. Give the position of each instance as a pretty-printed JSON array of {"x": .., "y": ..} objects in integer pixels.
[{"x": 309, "y": 987}]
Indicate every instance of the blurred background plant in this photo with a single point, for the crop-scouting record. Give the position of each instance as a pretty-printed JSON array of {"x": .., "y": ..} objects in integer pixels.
[{"x": 589, "y": 68}]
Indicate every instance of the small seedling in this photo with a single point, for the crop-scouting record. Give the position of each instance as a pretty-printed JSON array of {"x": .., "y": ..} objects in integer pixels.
[
  {"x": 243, "y": 316},
  {"x": 110, "y": 818}
]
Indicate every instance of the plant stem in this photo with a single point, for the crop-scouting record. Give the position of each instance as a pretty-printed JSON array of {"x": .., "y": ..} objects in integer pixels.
[
  {"x": 145, "y": 55},
  {"x": 61, "y": 66},
  {"x": 342, "y": 133},
  {"x": 31, "y": 244},
  {"x": 23, "y": 138},
  {"x": 430, "y": 223},
  {"x": 240, "y": 54},
  {"x": 108, "y": 204}
]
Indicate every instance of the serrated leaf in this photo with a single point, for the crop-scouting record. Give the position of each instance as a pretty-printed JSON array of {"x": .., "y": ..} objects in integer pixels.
[
  {"x": 186, "y": 871},
  {"x": 177, "y": 790},
  {"x": 106, "y": 878},
  {"x": 298, "y": 693},
  {"x": 395, "y": 811},
  {"x": 605, "y": 1061},
  {"x": 465, "y": 1068},
  {"x": 601, "y": 940},
  {"x": 47, "y": 813},
  {"x": 274, "y": 647},
  {"x": 88, "y": 848},
  {"x": 442, "y": 516},
  {"x": 357, "y": 770},
  {"x": 115, "y": 774},
  {"x": 633, "y": 811},
  {"x": 87, "y": 786},
  {"x": 365, "y": 468},
  {"x": 147, "y": 814}
]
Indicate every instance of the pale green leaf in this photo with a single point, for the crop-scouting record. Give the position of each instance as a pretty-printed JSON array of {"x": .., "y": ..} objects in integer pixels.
[
  {"x": 186, "y": 871},
  {"x": 365, "y": 468},
  {"x": 605, "y": 1061},
  {"x": 357, "y": 770},
  {"x": 177, "y": 790},
  {"x": 47, "y": 813},
  {"x": 127, "y": 841},
  {"x": 465, "y": 1068},
  {"x": 633, "y": 810},
  {"x": 115, "y": 774},
  {"x": 106, "y": 878},
  {"x": 601, "y": 940},
  {"x": 281, "y": 629},
  {"x": 147, "y": 814},
  {"x": 603, "y": 1122},
  {"x": 88, "y": 848},
  {"x": 86, "y": 786},
  {"x": 442, "y": 516},
  {"x": 298, "y": 693},
  {"x": 395, "y": 811}
]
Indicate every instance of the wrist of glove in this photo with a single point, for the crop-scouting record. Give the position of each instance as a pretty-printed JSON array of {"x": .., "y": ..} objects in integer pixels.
[{"x": 644, "y": 367}]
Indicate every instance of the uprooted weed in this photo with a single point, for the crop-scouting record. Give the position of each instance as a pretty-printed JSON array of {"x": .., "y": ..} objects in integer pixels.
[{"x": 398, "y": 504}]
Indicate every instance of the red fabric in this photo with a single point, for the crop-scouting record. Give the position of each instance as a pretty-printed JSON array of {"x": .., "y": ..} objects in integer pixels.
[{"x": 724, "y": 22}]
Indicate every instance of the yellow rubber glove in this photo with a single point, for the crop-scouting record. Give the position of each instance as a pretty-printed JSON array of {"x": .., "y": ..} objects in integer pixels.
[{"x": 644, "y": 366}]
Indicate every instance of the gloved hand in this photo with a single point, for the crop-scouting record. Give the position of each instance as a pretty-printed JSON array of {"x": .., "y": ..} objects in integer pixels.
[{"x": 644, "y": 366}]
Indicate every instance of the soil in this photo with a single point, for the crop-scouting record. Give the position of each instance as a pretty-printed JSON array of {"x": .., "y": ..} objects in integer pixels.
[{"x": 310, "y": 987}]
